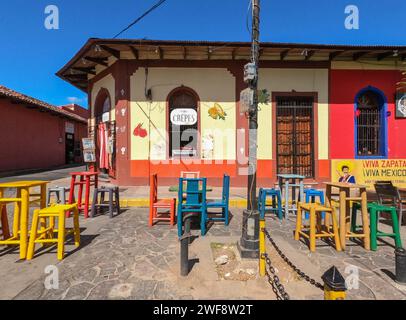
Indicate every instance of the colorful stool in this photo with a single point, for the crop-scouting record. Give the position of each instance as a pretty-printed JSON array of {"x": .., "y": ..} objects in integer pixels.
[
  {"x": 276, "y": 202},
  {"x": 311, "y": 195},
  {"x": 374, "y": 210},
  {"x": 316, "y": 229},
  {"x": 46, "y": 235},
  {"x": 99, "y": 202}
]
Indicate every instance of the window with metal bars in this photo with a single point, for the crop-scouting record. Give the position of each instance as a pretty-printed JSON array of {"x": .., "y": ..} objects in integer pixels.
[{"x": 370, "y": 126}]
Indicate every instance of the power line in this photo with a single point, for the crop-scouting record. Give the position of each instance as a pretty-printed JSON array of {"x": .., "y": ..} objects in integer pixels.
[{"x": 155, "y": 6}]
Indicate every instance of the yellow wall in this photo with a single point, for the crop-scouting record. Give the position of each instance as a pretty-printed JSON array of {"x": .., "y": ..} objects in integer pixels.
[
  {"x": 211, "y": 85},
  {"x": 108, "y": 83},
  {"x": 286, "y": 80}
]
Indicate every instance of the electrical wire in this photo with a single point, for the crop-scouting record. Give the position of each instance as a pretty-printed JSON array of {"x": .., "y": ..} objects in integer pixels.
[{"x": 155, "y": 6}]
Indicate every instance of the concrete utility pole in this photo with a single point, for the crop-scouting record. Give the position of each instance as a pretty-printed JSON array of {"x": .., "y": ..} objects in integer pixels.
[{"x": 249, "y": 245}]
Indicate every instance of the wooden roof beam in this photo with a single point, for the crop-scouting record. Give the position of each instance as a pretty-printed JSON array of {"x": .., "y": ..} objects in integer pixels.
[
  {"x": 77, "y": 76},
  {"x": 160, "y": 53},
  {"x": 385, "y": 55},
  {"x": 184, "y": 53},
  {"x": 86, "y": 70},
  {"x": 284, "y": 54},
  {"x": 100, "y": 61},
  {"x": 113, "y": 52},
  {"x": 309, "y": 55},
  {"x": 335, "y": 54},
  {"x": 234, "y": 53},
  {"x": 357, "y": 56},
  {"x": 135, "y": 52}
]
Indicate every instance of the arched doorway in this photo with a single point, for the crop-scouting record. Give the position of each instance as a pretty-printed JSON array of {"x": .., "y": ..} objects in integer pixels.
[
  {"x": 105, "y": 134},
  {"x": 183, "y": 107}
]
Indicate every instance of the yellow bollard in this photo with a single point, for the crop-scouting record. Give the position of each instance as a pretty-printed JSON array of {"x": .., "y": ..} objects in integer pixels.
[
  {"x": 262, "y": 248},
  {"x": 334, "y": 285}
]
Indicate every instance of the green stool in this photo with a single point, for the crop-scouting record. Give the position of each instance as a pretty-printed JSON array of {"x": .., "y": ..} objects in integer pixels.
[{"x": 374, "y": 209}]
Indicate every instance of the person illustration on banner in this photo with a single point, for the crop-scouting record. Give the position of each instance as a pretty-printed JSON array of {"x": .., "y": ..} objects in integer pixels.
[{"x": 345, "y": 175}]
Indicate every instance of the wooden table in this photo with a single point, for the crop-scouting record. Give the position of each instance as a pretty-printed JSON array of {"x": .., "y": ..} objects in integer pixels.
[
  {"x": 286, "y": 183},
  {"x": 85, "y": 179},
  {"x": 21, "y": 211},
  {"x": 345, "y": 210}
]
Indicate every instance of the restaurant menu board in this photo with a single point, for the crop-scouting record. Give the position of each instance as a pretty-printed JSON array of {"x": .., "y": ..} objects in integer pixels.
[
  {"x": 89, "y": 150},
  {"x": 368, "y": 172}
]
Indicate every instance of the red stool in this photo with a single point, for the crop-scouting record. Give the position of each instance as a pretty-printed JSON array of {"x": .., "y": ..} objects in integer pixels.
[
  {"x": 156, "y": 204},
  {"x": 4, "y": 223},
  {"x": 86, "y": 179}
]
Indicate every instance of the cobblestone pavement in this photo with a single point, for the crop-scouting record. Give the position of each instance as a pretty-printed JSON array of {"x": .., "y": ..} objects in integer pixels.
[{"x": 128, "y": 260}]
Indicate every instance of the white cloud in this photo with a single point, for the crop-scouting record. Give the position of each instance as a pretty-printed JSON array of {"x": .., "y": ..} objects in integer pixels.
[{"x": 75, "y": 100}]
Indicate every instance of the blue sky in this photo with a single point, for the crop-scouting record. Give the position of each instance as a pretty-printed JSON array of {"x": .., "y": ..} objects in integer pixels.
[{"x": 30, "y": 54}]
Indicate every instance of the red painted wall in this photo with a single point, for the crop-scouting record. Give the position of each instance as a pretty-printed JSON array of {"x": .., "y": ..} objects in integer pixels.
[
  {"x": 344, "y": 87},
  {"x": 30, "y": 139}
]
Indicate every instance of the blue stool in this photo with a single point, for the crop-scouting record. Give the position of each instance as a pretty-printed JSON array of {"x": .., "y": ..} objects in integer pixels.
[
  {"x": 276, "y": 202},
  {"x": 311, "y": 195}
]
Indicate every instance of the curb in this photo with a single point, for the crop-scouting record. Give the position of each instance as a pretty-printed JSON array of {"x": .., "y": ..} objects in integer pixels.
[{"x": 144, "y": 203}]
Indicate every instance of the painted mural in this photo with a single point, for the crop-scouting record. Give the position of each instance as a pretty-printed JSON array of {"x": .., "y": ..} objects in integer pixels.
[{"x": 367, "y": 172}]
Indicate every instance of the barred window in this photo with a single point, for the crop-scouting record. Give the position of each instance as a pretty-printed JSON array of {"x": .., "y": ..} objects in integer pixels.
[{"x": 370, "y": 125}]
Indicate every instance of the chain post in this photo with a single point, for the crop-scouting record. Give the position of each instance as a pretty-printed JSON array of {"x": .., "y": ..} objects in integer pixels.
[{"x": 262, "y": 248}]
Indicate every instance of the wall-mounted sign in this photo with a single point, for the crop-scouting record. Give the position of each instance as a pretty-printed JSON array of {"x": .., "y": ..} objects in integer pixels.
[
  {"x": 70, "y": 127},
  {"x": 89, "y": 156},
  {"x": 401, "y": 105},
  {"x": 88, "y": 144},
  {"x": 184, "y": 117},
  {"x": 368, "y": 172}
]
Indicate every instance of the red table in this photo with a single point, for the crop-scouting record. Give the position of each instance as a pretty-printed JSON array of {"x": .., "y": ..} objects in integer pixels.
[{"x": 86, "y": 179}]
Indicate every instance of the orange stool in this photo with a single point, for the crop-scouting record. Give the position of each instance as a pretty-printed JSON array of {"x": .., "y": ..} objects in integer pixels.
[{"x": 155, "y": 204}]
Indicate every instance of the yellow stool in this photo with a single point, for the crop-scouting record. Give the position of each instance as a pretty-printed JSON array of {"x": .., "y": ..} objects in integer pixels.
[
  {"x": 316, "y": 229},
  {"x": 46, "y": 234}
]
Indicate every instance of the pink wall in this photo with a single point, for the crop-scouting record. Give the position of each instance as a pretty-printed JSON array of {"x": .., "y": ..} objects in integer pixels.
[
  {"x": 30, "y": 138},
  {"x": 344, "y": 87}
]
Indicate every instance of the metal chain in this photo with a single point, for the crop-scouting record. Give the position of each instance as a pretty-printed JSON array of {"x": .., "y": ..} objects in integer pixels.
[
  {"x": 290, "y": 264},
  {"x": 274, "y": 281}
]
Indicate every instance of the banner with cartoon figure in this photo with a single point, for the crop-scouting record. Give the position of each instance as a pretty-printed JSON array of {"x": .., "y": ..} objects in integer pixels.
[{"x": 367, "y": 172}]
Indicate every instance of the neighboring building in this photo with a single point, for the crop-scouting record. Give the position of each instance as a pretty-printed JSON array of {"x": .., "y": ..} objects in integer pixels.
[
  {"x": 330, "y": 107},
  {"x": 76, "y": 109},
  {"x": 37, "y": 135}
]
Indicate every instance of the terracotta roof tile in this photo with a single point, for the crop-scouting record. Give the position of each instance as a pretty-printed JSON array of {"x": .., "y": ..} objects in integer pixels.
[{"x": 16, "y": 96}]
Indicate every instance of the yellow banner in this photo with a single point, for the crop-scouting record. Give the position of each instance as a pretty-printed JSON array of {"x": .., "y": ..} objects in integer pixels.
[{"x": 367, "y": 172}]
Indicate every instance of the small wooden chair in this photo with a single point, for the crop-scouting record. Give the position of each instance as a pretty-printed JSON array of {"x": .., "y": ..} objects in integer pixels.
[
  {"x": 316, "y": 229},
  {"x": 156, "y": 204},
  {"x": 46, "y": 235}
]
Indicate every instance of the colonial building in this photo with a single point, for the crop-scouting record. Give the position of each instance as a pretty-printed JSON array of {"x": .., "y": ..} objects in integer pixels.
[
  {"x": 37, "y": 135},
  {"x": 173, "y": 106}
]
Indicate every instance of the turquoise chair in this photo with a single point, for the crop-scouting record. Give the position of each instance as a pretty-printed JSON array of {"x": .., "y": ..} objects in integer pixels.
[
  {"x": 222, "y": 203},
  {"x": 276, "y": 202},
  {"x": 192, "y": 199}
]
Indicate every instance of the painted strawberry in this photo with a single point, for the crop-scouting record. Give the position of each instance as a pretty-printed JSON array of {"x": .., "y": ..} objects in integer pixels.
[{"x": 139, "y": 131}]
